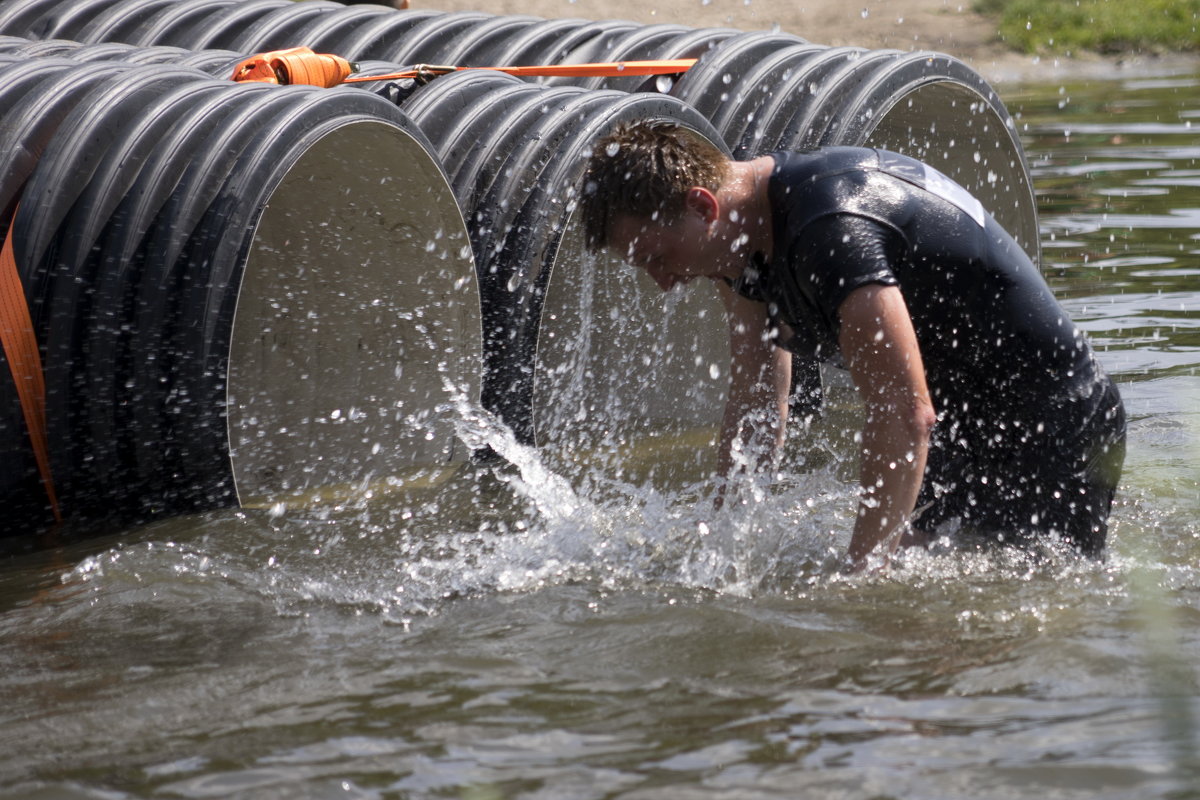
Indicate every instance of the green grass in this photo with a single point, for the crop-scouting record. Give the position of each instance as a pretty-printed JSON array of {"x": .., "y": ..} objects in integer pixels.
[{"x": 1102, "y": 26}]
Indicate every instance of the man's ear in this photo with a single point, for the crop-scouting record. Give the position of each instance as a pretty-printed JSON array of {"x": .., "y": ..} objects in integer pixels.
[{"x": 703, "y": 202}]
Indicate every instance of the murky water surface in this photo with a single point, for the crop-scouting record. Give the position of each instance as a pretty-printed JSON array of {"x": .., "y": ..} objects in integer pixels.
[{"x": 514, "y": 637}]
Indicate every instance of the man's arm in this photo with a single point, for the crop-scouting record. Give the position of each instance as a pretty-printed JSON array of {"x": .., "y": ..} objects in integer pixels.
[
  {"x": 760, "y": 376},
  {"x": 880, "y": 349}
]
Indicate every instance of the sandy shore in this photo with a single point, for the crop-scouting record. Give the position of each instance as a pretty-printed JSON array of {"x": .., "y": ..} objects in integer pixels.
[{"x": 948, "y": 26}]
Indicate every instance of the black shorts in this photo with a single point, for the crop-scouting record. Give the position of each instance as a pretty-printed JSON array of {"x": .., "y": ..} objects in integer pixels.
[{"x": 1063, "y": 489}]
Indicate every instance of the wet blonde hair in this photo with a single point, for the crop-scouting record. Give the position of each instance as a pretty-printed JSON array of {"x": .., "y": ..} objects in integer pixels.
[{"x": 644, "y": 170}]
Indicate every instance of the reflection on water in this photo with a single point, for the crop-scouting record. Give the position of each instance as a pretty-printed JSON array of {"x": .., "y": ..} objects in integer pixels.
[{"x": 516, "y": 635}]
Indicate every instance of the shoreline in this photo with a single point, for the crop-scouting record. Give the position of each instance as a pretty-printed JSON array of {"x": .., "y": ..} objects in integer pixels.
[{"x": 945, "y": 26}]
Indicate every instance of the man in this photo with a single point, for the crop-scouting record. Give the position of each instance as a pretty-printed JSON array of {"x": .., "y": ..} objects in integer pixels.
[{"x": 984, "y": 402}]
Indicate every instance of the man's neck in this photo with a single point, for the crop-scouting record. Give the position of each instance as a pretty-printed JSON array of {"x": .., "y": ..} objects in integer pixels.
[{"x": 747, "y": 203}]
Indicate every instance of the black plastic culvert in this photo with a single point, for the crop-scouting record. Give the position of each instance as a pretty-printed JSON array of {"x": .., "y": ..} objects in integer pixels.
[
  {"x": 253, "y": 352},
  {"x": 516, "y": 152},
  {"x": 21, "y": 17},
  {"x": 634, "y": 44},
  {"x": 175, "y": 22},
  {"x": 221, "y": 29},
  {"x": 118, "y": 22},
  {"x": 281, "y": 27},
  {"x": 33, "y": 111},
  {"x": 477, "y": 46},
  {"x": 747, "y": 97},
  {"x": 66, "y": 20},
  {"x": 55, "y": 244},
  {"x": 215, "y": 63},
  {"x": 799, "y": 92},
  {"x": 426, "y": 41},
  {"x": 117, "y": 403},
  {"x": 710, "y": 83},
  {"x": 841, "y": 70},
  {"x": 340, "y": 145},
  {"x": 761, "y": 91},
  {"x": 375, "y": 38},
  {"x": 27, "y": 85},
  {"x": 847, "y": 96},
  {"x": 534, "y": 43},
  {"x": 326, "y": 33},
  {"x": 937, "y": 109},
  {"x": 692, "y": 43}
]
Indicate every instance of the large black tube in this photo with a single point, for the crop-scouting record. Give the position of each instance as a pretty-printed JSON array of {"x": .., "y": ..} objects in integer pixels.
[
  {"x": 326, "y": 33},
  {"x": 227, "y": 285},
  {"x": 477, "y": 47},
  {"x": 692, "y": 43},
  {"x": 937, "y": 109},
  {"x": 535, "y": 43},
  {"x": 516, "y": 154},
  {"x": 426, "y": 41},
  {"x": 759, "y": 91},
  {"x": 838, "y": 96},
  {"x": 797, "y": 94},
  {"x": 709, "y": 84},
  {"x": 587, "y": 393},
  {"x": 118, "y": 22},
  {"x": 281, "y": 27},
  {"x": 384, "y": 295},
  {"x": 35, "y": 96},
  {"x": 374, "y": 39},
  {"x": 21, "y": 17},
  {"x": 743, "y": 111},
  {"x": 124, "y": 410},
  {"x": 81, "y": 178},
  {"x": 221, "y": 29},
  {"x": 66, "y": 20},
  {"x": 176, "y": 22}
]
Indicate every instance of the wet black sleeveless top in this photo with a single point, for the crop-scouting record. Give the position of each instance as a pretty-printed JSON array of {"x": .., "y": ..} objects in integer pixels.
[{"x": 1001, "y": 355}]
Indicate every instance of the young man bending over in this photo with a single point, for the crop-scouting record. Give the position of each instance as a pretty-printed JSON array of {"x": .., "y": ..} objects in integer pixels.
[{"x": 984, "y": 402}]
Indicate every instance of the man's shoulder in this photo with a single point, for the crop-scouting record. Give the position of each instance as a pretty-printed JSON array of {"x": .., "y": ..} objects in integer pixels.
[
  {"x": 810, "y": 184},
  {"x": 797, "y": 165}
]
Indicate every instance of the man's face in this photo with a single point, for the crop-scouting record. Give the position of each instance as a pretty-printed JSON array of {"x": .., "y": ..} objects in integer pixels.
[{"x": 671, "y": 254}]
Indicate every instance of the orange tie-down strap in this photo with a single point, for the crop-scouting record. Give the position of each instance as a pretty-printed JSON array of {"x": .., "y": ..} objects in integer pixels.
[
  {"x": 24, "y": 361},
  {"x": 301, "y": 65}
]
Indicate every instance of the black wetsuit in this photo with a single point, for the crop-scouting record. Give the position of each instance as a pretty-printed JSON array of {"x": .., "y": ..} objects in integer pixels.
[{"x": 1030, "y": 430}]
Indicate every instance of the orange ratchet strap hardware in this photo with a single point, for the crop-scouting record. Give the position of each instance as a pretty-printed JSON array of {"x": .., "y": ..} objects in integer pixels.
[
  {"x": 301, "y": 66},
  {"x": 298, "y": 66},
  {"x": 21, "y": 350}
]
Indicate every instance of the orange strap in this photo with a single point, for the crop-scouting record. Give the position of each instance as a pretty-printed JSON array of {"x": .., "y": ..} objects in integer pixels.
[
  {"x": 21, "y": 350},
  {"x": 301, "y": 65},
  {"x": 612, "y": 69},
  {"x": 297, "y": 66}
]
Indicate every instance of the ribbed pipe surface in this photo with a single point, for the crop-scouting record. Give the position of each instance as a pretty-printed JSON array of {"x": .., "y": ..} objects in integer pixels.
[{"x": 227, "y": 282}]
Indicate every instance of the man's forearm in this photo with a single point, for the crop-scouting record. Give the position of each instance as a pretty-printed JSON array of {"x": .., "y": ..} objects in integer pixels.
[
  {"x": 755, "y": 418},
  {"x": 892, "y": 468}
]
